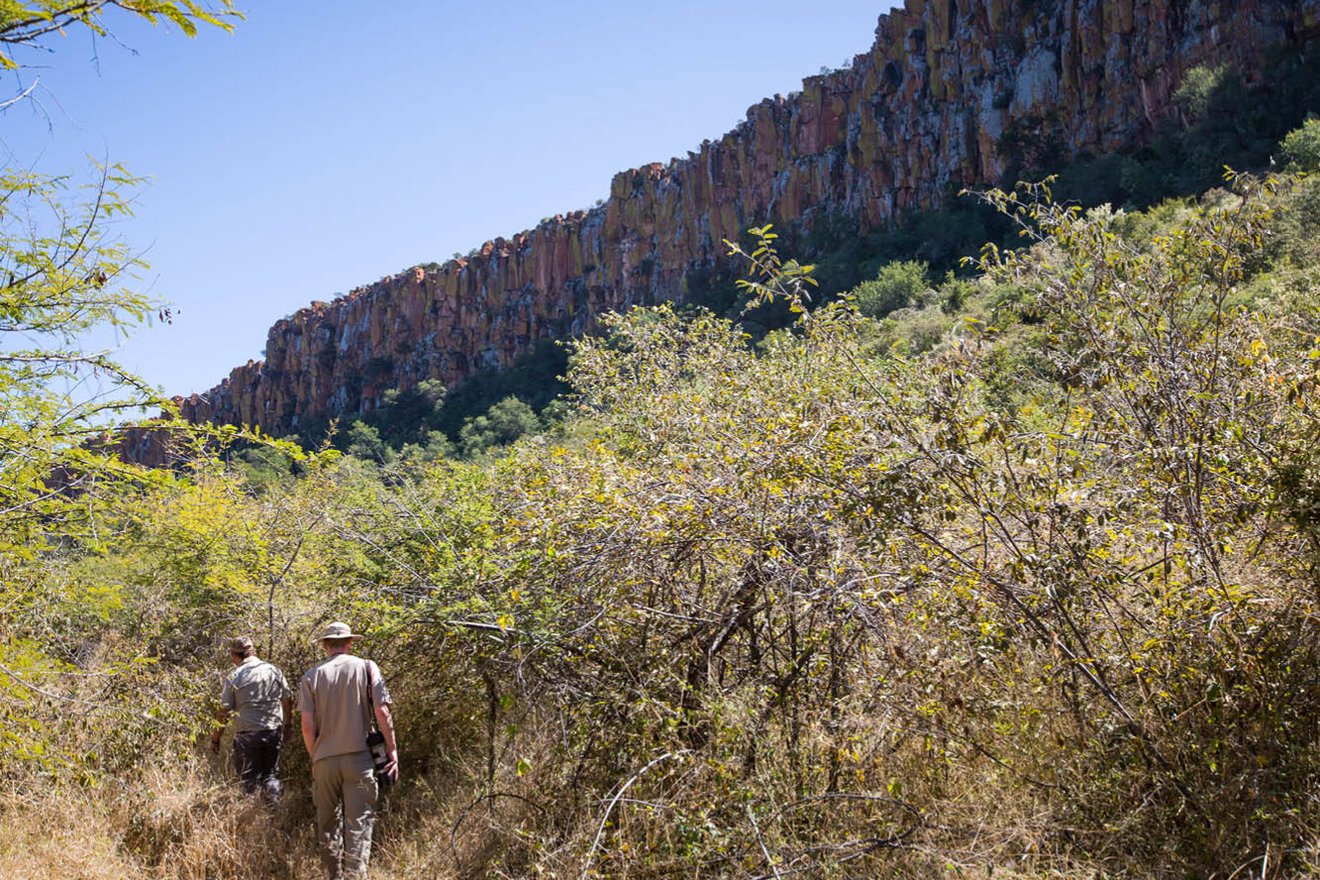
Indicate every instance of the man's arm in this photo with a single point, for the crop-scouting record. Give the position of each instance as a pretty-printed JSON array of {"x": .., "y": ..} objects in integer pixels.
[
  {"x": 309, "y": 732},
  {"x": 228, "y": 703},
  {"x": 385, "y": 721},
  {"x": 222, "y": 716}
]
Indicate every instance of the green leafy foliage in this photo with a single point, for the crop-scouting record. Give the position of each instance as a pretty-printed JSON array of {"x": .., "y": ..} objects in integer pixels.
[
  {"x": 364, "y": 442},
  {"x": 25, "y": 24},
  {"x": 534, "y": 378},
  {"x": 1198, "y": 91},
  {"x": 897, "y": 286},
  {"x": 845, "y": 257},
  {"x": 63, "y": 278},
  {"x": 63, "y": 485},
  {"x": 1301, "y": 148},
  {"x": 502, "y": 424},
  {"x": 1222, "y": 121}
]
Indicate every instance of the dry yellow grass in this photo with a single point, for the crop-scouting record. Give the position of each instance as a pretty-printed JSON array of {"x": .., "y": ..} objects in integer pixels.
[
  {"x": 58, "y": 837},
  {"x": 193, "y": 824},
  {"x": 163, "y": 827}
]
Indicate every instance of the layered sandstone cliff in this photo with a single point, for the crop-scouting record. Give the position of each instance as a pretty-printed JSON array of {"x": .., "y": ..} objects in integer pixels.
[{"x": 913, "y": 119}]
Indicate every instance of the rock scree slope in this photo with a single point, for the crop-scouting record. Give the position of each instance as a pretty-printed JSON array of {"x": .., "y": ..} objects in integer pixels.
[{"x": 911, "y": 121}]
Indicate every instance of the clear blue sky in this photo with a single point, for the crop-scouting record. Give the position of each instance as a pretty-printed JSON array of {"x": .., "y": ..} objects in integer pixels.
[{"x": 323, "y": 145}]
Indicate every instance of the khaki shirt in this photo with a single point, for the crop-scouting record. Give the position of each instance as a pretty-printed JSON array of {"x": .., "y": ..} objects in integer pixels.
[
  {"x": 253, "y": 691},
  {"x": 334, "y": 691}
]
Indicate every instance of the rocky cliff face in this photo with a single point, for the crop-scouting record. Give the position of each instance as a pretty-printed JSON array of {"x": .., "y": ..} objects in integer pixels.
[{"x": 915, "y": 118}]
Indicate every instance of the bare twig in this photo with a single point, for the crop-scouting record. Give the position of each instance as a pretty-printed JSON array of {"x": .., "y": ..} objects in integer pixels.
[{"x": 604, "y": 820}]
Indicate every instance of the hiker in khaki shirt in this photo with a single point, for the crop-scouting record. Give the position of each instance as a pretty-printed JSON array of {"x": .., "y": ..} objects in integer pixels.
[
  {"x": 257, "y": 694},
  {"x": 337, "y": 697}
]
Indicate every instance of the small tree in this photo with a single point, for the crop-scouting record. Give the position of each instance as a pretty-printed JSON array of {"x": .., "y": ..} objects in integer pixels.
[
  {"x": 364, "y": 442},
  {"x": 502, "y": 424},
  {"x": 1301, "y": 147},
  {"x": 62, "y": 276},
  {"x": 897, "y": 286},
  {"x": 1195, "y": 93}
]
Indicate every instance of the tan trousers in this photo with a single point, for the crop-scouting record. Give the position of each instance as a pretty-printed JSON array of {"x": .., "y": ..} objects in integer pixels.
[{"x": 344, "y": 792}]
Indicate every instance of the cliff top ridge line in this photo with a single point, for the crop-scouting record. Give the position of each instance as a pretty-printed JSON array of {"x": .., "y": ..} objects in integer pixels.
[{"x": 919, "y": 115}]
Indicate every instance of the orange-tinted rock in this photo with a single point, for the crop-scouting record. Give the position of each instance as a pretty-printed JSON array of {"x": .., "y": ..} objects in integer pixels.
[{"x": 913, "y": 119}]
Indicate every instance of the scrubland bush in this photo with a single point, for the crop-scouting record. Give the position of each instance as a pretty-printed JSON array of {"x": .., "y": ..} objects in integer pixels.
[
  {"x": 1301, "y": 148},
  {"x": 912, "y": 331},
  {"x": 896, "y": 286}
]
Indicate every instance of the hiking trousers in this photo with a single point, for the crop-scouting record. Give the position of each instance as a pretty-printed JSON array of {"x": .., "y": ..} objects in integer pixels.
[
  {"x": 257, "y": 761},
  {"x": 344, "y": 792}
]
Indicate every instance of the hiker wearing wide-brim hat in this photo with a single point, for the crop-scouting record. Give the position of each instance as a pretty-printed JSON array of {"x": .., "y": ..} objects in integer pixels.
[
  {"x": 335, "y": 631},
  {"x": 339, "y": 698}
]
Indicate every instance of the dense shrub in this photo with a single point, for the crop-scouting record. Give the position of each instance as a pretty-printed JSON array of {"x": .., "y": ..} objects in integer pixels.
[
  {"x": 502, "y": 424},
  {"x": 1301, "y": 148},
  {"x": 1195, "y": 95},
  {"x": 896, "y": 286}
]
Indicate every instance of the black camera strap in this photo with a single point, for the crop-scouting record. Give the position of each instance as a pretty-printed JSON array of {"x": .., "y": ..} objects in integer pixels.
[{"x": 371, "y": 706}]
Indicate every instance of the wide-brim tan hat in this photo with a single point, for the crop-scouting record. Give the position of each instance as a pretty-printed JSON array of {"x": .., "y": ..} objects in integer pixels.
[{"x": 338, "y": 630}]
